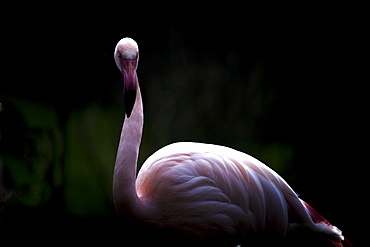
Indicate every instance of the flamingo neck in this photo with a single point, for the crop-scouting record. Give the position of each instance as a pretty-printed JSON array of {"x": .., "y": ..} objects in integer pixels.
[{"x": 126, "y": 200}]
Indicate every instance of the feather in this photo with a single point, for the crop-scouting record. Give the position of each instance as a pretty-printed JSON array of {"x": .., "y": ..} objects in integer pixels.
[{"x": 236, "y": 187}]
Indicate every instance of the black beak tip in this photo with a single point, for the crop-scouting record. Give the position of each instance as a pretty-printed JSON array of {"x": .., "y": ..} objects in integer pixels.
[{"x": 129, "y": 98}]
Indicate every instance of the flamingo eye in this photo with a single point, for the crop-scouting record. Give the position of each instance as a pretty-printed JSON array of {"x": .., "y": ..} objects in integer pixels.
[{"x": 118, "y": 54}]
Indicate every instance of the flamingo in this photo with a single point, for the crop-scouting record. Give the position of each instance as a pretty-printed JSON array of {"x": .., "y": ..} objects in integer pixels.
[{"x": 203, "y": 192}]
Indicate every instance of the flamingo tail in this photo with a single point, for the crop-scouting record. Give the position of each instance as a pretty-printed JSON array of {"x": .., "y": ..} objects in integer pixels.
[{"x": 322, "y": 225}]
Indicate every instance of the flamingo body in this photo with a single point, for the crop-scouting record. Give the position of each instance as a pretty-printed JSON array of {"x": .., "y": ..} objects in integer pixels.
[
  {"x": 209, "y": 190},
  {"x": 203, "y": 191},
  {"x": 215, "y": 188}
]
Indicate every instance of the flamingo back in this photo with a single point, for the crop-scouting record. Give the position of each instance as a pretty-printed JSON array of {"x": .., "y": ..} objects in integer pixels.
[{"x": 206, "y": 190}]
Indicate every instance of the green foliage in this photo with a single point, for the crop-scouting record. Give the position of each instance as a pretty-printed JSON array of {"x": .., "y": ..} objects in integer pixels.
[
  {"x": 33, "y": 166},
  {"x": 77, "y": 159},
  {"x": 91, "y": 149}
]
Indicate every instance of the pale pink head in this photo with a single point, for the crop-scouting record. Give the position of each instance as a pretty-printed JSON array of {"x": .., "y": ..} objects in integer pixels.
[{"x": 126, "y": 56}]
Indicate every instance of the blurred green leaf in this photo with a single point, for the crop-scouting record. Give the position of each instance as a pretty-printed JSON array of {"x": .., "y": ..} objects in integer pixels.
[{"x": 93, "y": 135}]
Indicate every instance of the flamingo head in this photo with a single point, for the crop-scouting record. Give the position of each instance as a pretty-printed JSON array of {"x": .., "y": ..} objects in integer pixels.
[{"x": 126, "y": 56}]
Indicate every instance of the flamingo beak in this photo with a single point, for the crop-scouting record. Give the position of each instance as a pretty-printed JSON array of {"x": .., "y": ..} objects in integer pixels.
[{"x": 129, "y": 83}]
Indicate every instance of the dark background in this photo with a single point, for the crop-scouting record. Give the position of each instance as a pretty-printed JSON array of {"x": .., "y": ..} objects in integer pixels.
[{"x": 286, "y": 86}]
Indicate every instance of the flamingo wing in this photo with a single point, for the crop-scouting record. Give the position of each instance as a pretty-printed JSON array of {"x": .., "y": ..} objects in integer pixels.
[{"x": 206, "y": 189}]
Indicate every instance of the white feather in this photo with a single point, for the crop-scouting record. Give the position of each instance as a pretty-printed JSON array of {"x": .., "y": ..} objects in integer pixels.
[{"x": 223, "y": 187}]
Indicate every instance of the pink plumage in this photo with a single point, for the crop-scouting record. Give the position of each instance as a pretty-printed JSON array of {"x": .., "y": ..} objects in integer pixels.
[{"x": 205, "y": 192}]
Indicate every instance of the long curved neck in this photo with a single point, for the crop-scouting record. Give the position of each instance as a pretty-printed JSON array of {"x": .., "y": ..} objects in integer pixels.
[{"x": 124, "y": 190}]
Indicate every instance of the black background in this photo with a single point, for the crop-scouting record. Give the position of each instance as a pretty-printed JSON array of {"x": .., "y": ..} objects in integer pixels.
[{"x": 310, "y": 58}]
